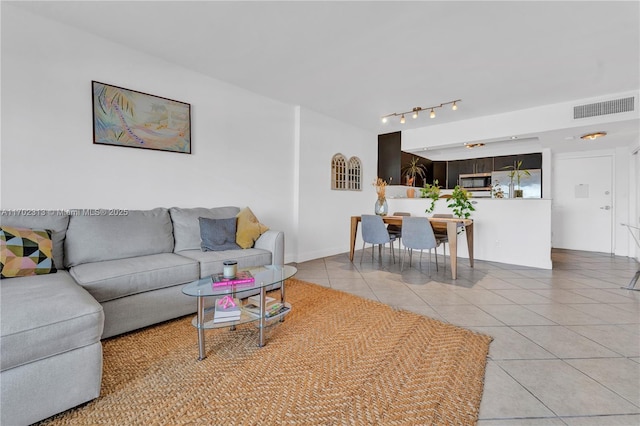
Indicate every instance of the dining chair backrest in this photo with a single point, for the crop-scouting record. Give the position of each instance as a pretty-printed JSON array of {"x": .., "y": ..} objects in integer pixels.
[
  {"x": 397, "y": 229},
  {"x": 447, "y": 215},
  {"x": 373, "y": 230},
  {"x": 417, "y": 233}
]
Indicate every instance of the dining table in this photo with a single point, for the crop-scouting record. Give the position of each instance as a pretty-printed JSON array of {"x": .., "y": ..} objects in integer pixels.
[{"x": 450, "y": 225}]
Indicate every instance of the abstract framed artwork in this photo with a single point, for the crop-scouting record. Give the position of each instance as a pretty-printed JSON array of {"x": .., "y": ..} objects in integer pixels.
[{"x": 128, "y": 118}]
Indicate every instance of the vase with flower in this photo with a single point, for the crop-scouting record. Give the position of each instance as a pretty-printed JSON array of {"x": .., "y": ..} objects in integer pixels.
[{"x": 381, "y": 207}]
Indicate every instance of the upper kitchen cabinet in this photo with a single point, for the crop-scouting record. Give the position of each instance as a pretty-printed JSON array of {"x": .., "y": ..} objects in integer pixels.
[
  {"x": 390, "y": 158},
  {"x": 466, "y": 167},
  {"x": 392, "y": 161},
  {"x": 440, "y": 172},
  {"x": 529, "y": 161},
  {"x": 427, "y": 168}
]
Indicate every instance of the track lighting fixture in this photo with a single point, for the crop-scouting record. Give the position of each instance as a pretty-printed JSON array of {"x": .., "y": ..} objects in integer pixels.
[{"x": 416, "y": 110}]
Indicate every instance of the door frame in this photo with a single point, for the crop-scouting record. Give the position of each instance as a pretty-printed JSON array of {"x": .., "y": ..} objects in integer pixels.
[{"x": 590, "y": 154}]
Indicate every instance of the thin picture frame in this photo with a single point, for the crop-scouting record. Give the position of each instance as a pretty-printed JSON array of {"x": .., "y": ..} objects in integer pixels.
[{"x": 132, "y": 119}]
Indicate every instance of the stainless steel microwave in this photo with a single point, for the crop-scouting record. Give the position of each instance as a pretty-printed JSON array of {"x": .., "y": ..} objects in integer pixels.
[{"x": 475, "y": 181}]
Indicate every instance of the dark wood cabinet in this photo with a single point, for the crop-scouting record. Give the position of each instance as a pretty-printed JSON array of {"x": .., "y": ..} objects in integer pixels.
[
  {"x": 483, "y": 165},
  {"x": 453, "y": 170},
  {"x": 407, "y": 158},
  {"x": 529, "y": 161},
  {"x": 390, "y": 158},
  {"x": 391, "y": 162},
  {"x": 464, "y": 167},
  {"x": 440, "y": 172}
]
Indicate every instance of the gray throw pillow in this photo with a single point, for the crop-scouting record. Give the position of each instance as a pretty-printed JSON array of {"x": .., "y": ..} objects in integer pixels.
[{"x": 218, "y": 234}]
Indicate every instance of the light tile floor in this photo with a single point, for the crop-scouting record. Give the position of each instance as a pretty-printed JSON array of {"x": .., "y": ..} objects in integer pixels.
[{"x": 566, "y": 348}]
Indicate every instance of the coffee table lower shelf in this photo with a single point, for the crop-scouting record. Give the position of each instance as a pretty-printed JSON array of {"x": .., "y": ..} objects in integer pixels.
[{"x": 244, "y": 319}]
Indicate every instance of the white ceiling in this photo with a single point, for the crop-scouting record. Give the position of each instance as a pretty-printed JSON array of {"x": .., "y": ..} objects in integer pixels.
[{"x": 356, "y": 61}]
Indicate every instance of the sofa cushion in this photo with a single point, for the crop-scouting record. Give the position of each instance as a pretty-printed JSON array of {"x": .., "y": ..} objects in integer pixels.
[
  {"x": 56, "y": 221},
  {"x": 45, "y": 315},
  {"x": 211, "y": 261},
  {"x": 186, "y": 228},
  {"x": 112, "y": 279},
  {"x": 218, "y": 234},
  {"x": 96, "y": 238},
  {"x": 248, "y": 228},
  {"x": 25, "y": 252}
]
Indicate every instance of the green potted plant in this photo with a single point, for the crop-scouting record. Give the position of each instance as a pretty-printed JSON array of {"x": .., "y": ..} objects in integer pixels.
[
  {"x": 431, "y": 191},
  {"x": 516, "y": 174},
  {"x": 459, "y": 203},
  {"x": 411, "y": 170}
]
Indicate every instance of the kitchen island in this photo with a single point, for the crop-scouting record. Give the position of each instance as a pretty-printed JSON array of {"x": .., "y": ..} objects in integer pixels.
[{"x": 514, "y": 231}]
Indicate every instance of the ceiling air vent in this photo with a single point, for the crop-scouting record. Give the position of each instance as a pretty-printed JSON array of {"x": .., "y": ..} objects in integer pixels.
[{"x": 603, "y": 108}]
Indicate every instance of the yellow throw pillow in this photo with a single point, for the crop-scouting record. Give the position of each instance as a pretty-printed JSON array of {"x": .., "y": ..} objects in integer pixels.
[{"x": 248, "y": 229}]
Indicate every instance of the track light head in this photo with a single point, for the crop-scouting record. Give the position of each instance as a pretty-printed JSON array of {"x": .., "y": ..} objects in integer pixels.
[{"x": 402, "y": 120}]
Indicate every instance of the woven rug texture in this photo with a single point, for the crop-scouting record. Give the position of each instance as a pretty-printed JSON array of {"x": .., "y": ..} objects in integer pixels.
[{"x": 337, "y": 359}]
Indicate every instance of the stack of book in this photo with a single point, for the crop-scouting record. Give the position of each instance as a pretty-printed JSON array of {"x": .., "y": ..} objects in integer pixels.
[
  {"x": 226, "y": 311},
  {"x": 273, "y": 307}
]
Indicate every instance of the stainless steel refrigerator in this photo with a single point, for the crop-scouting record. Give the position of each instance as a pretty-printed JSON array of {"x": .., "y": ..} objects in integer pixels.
[{"x": 531, "y": 185}]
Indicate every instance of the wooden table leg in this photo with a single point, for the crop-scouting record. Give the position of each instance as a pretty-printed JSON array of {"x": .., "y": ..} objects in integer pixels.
[
  {"x": 354, "y": 232},
  {"x": 469, "y": 231},
  {"x": 452, "y": 235}
]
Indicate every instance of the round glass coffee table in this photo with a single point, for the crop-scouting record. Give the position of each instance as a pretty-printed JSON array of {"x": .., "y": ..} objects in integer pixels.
[{"x": 264, "y": 276}]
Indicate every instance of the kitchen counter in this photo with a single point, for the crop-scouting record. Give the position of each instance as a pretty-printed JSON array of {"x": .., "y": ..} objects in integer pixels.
[{"x": 516, "y": 231}]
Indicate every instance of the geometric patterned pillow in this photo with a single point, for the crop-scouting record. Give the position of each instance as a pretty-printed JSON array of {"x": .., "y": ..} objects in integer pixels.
[{"x": 25, "y": 252}]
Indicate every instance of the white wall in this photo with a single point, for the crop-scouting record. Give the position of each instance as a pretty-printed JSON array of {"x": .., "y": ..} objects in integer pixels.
[
  {"x": 269, "y": 156},
  {"x": 273, "y": 157},
  {"x": 503, "y": 126},
  {"x": 49, "y": 161},
  {"x": 324, "y": 214}
]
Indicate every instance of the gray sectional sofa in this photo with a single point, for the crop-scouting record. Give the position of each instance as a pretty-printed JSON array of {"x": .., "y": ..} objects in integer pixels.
[{"x": 117, "y": 271}]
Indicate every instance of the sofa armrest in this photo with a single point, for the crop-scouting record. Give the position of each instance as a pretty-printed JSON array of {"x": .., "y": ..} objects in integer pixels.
[{"x": 274, "y": 242}]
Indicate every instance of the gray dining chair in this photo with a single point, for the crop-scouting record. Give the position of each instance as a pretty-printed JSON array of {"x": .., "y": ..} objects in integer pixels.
[
  {"x": 397, "y": 229},
  {"x": 375, "y": 233},
  {"x": 417, "y": 234}
]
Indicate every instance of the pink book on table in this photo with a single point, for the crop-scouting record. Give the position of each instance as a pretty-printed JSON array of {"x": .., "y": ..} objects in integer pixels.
[{"x": 242, "y": 277}]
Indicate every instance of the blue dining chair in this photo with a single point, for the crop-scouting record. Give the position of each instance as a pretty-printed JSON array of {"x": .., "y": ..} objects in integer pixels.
[
  {"x": 417, "y": 234},
  {"x": 375, "y": 233}
]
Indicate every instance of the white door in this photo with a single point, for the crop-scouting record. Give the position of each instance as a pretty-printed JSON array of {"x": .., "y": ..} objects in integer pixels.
[{"x": 582, "y": 207}]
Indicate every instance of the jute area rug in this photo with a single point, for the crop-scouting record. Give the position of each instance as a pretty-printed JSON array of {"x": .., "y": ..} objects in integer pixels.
[{"x": 337, "y": 359}]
